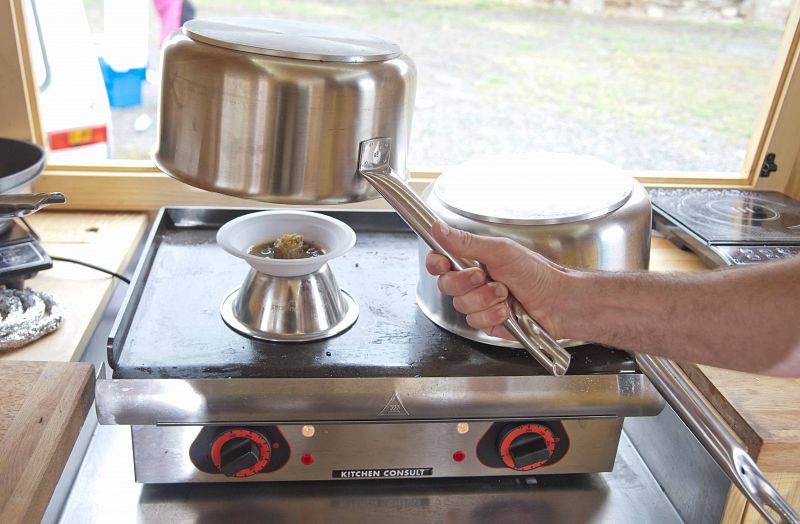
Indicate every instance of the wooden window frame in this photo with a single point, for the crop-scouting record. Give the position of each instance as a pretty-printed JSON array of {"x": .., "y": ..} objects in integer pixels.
[{"x": 139, "y": 185}]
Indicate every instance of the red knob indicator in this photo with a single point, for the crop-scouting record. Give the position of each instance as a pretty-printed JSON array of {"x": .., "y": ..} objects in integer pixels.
[
  {"x": 526, "y": 447},
  {"x": 240, "y": 452}
]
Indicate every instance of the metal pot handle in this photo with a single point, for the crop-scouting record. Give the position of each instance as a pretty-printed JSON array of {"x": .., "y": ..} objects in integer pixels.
[
  {"x": 24, "y": 204},
  {"x": 373, "y": 164},
  {"x": 712, "y": 431}
]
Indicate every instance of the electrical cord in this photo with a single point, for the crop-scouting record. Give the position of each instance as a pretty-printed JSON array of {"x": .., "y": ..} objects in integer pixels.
[
  {"x": 29, "y": 227},
  {"x": 72, "y": 260},
  {"x": 92, "y": 266}
]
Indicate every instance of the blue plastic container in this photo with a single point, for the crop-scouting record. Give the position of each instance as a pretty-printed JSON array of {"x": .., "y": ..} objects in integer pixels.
[{"x": 124, "y": 88}]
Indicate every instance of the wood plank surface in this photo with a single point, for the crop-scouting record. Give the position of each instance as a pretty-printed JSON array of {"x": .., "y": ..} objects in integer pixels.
[
  {"x": 42, "y": 410},
  {"x": 763, "y": 411},
  {"x": 666, "y": 256},
  {"x": 105, "y": 239},
  {"x": 44, "y": 404}
]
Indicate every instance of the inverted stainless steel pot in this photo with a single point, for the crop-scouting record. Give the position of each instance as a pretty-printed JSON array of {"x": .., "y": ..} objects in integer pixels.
[
  {"x": 274, "y": 110},
  {"x": 578, "y": 211}
]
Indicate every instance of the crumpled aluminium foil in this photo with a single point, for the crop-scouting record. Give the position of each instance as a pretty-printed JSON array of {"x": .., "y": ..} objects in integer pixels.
[{"x": 26, "y": 316}]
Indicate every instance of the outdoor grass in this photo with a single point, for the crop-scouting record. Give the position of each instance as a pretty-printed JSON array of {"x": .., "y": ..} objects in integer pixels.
[
  {"x": 687, "y": 91},
  {"x": 640, "y": 72}
]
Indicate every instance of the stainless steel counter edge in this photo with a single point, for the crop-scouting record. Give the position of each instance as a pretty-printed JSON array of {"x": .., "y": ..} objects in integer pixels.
[{"x": 286, "y": 400}]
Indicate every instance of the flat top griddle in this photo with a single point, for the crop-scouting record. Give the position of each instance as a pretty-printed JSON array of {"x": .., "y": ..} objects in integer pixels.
[{"x": 170, "y": 325}]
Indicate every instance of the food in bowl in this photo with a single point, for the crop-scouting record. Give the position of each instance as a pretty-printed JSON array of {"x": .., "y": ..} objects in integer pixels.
[{"x": 288, "y": 246}]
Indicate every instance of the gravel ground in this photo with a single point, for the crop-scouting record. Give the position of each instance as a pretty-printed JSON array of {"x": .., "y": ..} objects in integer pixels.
[{"x": 642, "y": 94}]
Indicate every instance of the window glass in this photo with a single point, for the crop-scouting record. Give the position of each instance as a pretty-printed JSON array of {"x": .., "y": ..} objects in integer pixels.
[{"x": 645, "y": 85}]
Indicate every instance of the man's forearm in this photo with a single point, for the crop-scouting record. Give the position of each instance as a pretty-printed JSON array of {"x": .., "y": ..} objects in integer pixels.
[{"x": 741, "y": 318}]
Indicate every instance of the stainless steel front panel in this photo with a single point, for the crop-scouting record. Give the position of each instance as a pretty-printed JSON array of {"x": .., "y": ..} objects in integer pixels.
[
  {"x": 105, "y": 491},
  {"x": 161, "y": 454},
  {"x": 277, "y": 400}
]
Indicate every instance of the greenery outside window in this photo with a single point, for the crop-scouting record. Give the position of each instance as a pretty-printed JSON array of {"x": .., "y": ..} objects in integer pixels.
[{"x": 136, "y": 184}]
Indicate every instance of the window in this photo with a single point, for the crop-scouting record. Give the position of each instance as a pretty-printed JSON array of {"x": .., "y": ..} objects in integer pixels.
[{"x": 671, "y": 100}]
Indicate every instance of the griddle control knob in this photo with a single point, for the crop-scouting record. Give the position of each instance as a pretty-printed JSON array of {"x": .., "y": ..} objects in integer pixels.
[
  {"x": 526, "y": 446},
  {"x": 240, "y": 452}
]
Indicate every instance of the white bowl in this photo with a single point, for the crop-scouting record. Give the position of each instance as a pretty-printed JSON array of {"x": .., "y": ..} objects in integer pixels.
[{"x": 333, "y": 236}]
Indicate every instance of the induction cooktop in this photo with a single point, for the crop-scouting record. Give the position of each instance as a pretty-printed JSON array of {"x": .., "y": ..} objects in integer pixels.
[{"x": 728, "y": 226}]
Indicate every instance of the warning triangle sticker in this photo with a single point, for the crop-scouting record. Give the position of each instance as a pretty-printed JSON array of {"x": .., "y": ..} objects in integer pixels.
[{"x": 394, "y": 408}]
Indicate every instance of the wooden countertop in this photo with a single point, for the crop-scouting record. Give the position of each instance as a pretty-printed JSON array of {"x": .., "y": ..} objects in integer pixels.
[
  {"x": 108, "y": 240},
  {"x": 43, "y": 404},
  {"x": 42, "y": 410}
]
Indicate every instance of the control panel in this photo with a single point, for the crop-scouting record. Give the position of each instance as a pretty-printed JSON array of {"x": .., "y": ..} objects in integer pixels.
[
  {"x": 751, "y": 254},
  {"x": 239, "y": 451},
  {"x": 523, "y": 446},
  {"x": 375, "y": 451}
]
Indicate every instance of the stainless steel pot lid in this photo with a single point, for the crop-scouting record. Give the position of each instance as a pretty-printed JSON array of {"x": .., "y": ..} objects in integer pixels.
[
  {"x": 291, "y": 39},
  {"x": 533, "y": 188}
]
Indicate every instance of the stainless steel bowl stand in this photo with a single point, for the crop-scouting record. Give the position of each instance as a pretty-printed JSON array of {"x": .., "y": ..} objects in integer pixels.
[{"x": 289, "y": 309}]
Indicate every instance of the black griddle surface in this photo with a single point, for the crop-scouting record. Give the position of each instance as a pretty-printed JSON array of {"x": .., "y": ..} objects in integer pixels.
[{"x": 171, "y": 326}]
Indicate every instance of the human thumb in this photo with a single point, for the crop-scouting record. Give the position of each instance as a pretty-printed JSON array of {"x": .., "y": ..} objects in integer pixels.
[{"x": 462, "y": 244}]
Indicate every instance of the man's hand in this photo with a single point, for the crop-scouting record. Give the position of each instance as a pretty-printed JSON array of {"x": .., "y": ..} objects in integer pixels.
[
  {"x": 742, "y": 318},
  {"x": 531, "y": 278}
]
